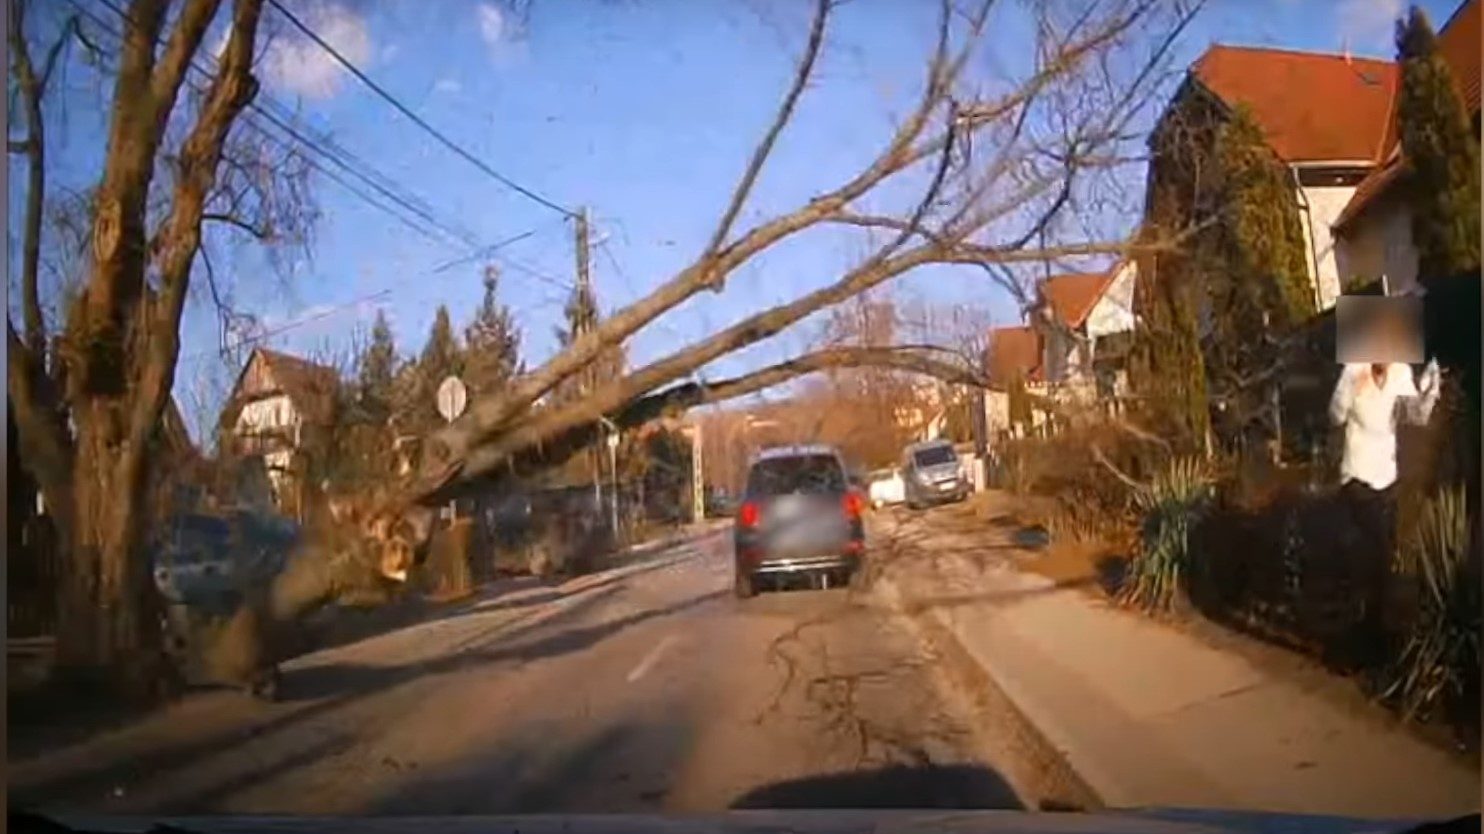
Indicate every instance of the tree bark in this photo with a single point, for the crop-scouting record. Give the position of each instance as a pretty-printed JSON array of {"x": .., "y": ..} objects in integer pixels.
[{"x": 125, "y": 337}]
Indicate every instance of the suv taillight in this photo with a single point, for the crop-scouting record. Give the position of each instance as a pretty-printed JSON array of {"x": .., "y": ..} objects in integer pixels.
[
  {"x": 748, "y": 515},
  {"x": 853, "y": 504}
]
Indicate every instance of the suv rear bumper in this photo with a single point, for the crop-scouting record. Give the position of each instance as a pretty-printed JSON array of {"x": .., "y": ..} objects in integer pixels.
[{"x": 802, "y": 564}]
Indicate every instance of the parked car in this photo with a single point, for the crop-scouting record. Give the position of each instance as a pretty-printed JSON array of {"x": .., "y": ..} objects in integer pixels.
[
  {"x": 207, "y": 561},
  {"x": 933, "y": 475},
  {"x": 885, "y": 486},
  {"x": 719, "y": 503},
  {"x": 799, "y": 515}
]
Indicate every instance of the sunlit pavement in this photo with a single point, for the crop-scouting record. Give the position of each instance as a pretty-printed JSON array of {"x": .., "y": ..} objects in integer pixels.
[{"x": 644, "y": 688}]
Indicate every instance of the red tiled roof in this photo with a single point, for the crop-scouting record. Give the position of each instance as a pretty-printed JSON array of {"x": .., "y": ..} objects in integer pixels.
[
  {"x": 1458, "y": 41},
  {"x": 1074, "y": 294},
  {"x": 1013, "y": 351},
  {"x": 1312, "y": 107}
]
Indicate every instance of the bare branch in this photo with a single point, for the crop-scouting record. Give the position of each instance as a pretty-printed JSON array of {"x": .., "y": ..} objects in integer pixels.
[
  {"x": 785, "y": 112},
  {"x": 32, "y": 86},
  {"x": 231, "y": 90},
  {"x": 548, "y": 423},
  {"x": 262, "y": 233},
  {"x": 48, "y": 449},
  {"x": 487, "y": 416},
  {"x": 175, "y": 60},
  {"x": 671, "y": 401}
]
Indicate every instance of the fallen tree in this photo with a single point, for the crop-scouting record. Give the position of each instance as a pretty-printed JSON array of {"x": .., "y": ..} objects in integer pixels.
[
  {"x": 964, "y": 178},
  {"x": 1051, "y": 137}
]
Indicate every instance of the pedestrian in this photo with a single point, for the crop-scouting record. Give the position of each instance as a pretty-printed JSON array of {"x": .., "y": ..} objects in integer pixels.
[{"x": 1367, "y": 402}]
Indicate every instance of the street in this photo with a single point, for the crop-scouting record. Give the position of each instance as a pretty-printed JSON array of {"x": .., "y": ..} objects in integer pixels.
[{"x": 644, "y": 688}]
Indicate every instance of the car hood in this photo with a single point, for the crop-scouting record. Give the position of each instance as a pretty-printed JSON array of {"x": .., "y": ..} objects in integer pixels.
[{"x": 1157, "y": 821}]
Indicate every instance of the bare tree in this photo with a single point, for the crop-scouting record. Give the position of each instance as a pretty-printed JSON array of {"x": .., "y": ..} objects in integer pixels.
[
  {"x": 995, "y": 173},
  {"x": 172, "y": 165}
]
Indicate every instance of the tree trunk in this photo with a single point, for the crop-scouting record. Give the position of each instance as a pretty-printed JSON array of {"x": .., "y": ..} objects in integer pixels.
[{"x": 108, "y": 609}]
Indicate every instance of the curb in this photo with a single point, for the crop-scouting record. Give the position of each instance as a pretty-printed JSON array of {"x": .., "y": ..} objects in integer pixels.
[{"x": 1047, "y": 776}]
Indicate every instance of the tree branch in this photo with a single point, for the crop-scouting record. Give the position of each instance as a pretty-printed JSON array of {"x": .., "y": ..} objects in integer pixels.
[
  {"x": 119, "y": 217},
  {"x": 262, "y": 233},
  {"x": 488, "y": 415},
  {"x": 175, "y": 60},
  {"x": 785, "y": 113},
  {"x": 231, "y": 90},
  {"x": 677, "y": 399},
  {"x": 548, "y": 423},
  {"x": 43, "y": 436},
  {"x": 32, "y": 87}
]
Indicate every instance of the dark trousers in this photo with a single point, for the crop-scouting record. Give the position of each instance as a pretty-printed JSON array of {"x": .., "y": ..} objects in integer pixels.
[{"x": 1373, "y": 516}]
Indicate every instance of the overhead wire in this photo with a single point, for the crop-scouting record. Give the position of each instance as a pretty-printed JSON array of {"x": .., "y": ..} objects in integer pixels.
[
  {"x": 375, "y": 180},
  {"x": 259, "y": 338},
  {"x": 416, "y": 119}
]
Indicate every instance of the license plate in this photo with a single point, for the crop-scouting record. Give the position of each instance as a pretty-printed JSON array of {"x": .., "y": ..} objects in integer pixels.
[{"x": 946, "y": 486}]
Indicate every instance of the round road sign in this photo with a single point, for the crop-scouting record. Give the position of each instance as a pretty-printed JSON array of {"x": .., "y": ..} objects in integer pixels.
[{"x": 453, "y": 398}]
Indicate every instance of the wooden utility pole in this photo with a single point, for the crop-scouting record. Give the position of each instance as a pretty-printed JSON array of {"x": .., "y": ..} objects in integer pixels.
[
  {"x": 582, "y": 244},
  {"x": 583, "y": 247}
]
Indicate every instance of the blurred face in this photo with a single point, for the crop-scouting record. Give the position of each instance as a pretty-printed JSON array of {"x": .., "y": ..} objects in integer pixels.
[{"x": 1378, "y": 330}]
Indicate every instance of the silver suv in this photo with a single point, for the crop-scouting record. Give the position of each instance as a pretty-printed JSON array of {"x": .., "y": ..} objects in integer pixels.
[
  {"x": 932, "y": 474},
  {"x": 799, "y": 514}
]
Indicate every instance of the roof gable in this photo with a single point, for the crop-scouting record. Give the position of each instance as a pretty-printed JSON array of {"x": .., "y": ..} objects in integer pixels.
[
  {"x": 1312, "y": 107},
  {"x": 309, "y": 386},
  {"x": 1013, "y": 351},
  {"x": 1073, "y": 296}
]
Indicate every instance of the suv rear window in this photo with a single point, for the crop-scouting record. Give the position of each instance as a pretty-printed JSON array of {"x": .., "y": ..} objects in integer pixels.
[
  {"x": 810, "y": 474},
  {"x": 934, "y": 456}
]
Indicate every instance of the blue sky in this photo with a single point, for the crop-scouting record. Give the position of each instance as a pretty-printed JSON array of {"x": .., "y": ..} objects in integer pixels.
[{"x": 642, "y": 110}]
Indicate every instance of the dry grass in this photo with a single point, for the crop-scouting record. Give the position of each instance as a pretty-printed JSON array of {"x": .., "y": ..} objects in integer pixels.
[{"x": 1073, "y": 562}]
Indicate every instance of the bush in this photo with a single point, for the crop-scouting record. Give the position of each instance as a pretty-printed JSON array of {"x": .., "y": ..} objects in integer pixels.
[
  {"x": 1172, "y": 504},
  {"x": 1439, "y": 663}
]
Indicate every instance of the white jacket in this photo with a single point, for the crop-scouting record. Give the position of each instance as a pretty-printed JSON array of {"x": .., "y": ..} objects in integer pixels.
[{"x": 1368, "y": 413}]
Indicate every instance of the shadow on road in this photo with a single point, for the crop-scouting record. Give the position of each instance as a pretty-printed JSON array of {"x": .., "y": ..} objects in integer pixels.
[
  {"x": 624, "y": 767},
  {"x": 319, "y": 690},
  {"x": 897, "y": 786},
  {"x": 334, "y": 680}
]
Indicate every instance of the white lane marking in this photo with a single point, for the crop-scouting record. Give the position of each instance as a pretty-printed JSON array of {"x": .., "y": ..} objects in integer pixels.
[{"x": 651, "y": 659}]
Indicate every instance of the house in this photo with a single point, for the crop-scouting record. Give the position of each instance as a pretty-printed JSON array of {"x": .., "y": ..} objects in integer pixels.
[
  {"x": 1331, "y": 120},
  {"x": 1073, "y": 347},
  {"x": 1374, "y": 230},
  {"x": 281, "y": 409},
  {"x": 1324, "y": 116},
  {"x": 1085, "y": 318}
]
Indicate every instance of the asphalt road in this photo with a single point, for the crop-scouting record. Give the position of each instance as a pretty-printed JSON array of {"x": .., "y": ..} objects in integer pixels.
[{"x": 644, "y": 688}]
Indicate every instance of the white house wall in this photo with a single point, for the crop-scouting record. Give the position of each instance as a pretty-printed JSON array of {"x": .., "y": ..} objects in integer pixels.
[
  {"x": 1325, "y": 203},
  {"x": 268, "y": 413},
  {"x": 996, "y": 412},
  {"x": 1379, "y": 243},
  {"x": 1114, "y": 312}
]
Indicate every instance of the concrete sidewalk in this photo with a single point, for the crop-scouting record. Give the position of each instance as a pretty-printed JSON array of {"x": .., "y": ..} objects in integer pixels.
[{"x": 1148, "y": 715}]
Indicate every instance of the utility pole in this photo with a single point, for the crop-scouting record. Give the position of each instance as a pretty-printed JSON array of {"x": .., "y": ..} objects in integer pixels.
[{"x": 582, "y": 245}]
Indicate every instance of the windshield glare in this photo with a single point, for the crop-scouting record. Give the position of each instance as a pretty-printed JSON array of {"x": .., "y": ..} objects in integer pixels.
[{"x": 809, "y": 475}]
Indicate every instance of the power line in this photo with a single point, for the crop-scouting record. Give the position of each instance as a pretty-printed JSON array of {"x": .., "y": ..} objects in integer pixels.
[
  {"x": 416, "y": 119},
  {"x": 259, "y": 338},
  {"x": 371, "y": 180}
]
